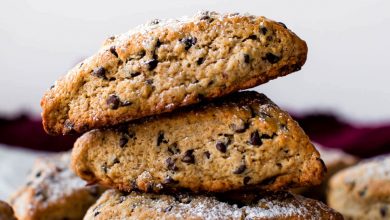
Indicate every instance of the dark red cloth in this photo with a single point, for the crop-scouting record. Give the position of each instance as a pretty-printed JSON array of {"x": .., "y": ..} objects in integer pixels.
[{"x": 326, "y": 129}]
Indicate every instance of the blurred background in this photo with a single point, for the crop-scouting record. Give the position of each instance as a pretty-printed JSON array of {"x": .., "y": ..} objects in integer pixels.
[{"x": 341, "y": 97}]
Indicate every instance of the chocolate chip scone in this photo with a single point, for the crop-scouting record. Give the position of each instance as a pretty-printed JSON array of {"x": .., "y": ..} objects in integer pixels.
[
  {"x": 165, "y": 65},
  {"x": 240, "y": 140},
  {"x": 53, "y": 191},
  {"x": 362, "y": 191},
  {"x": 6, "y": 212},
  {"x": 281, "y": 205},
  {"x": 335, "y": 160}
]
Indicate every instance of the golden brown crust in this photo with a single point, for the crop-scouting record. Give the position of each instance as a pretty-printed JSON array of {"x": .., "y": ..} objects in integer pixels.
[
  {"x": 161, "y": 67},
  {"x": 53, "y": 192},
  {"x": 261, "y": 206},
  {"x": 239, "y": 141}
]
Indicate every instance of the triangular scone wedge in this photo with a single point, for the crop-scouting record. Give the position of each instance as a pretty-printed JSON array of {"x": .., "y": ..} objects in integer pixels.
[
  {"x": 239, "y": 141},
  {"x": 162, "y": 66}
]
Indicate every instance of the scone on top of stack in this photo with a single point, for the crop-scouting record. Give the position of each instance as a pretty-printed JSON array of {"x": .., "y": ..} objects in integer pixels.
[
  {"x": 52, "y": 191},
  {"x": 362, "y": 191},
  {"x": 167, "y": 116}
]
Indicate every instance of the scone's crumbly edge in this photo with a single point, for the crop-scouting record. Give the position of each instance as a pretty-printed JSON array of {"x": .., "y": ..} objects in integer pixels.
[
  {"x": 53, "y": 191},
  {"x": 280, "y": 205},
  {"x": 362, "y": 191},
  {"x": 164, "y": 65},
  {"x": 239, "y": 141}
]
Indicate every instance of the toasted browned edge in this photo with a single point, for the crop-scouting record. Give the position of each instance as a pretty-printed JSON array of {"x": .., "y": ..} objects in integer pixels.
[{"x": 296, "y": 60}]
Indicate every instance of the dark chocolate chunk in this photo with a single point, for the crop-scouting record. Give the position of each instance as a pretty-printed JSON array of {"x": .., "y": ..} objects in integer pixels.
[
  {"x": 282, "y": 24},
  {"x": 112, "y": 38},
  {"x": 169, "y": 180},
  {"x": 52, "y": 87},
  {"x": 171, "y": 164},
  {"x": 263, "y": 30},
  {"x": 247, "y": 59},
  {"x": 123, "y": 141},
  {"x": 135, "y": 74},
  {"x": 188, "y": 157},
  {"x": 99, "y": 72},
  {"x": 255, "y": 139},
  {"x": 279, "y": 165},
  {"x": 113, "y": 51},
  {"x": 158, "y": 43},
  {"x": 113, "y": 101},
  {"x": 221, "y": 146},
  {"x": 188, "y": 42},
  {"x": 149, "y": 81},
  {"x": 152, "y": 64},
  {"x": 40, "y": 195},
  {"x": 240, "y": 169},
  {"x": 168, "y": 209},
  {"x": 161, "y": 139},
  {"x": 200, "y": 61},
  {"x": 112, "y": 79},
  {"x": 38, "y": 174},
  {"x": 155, "y": 21},
  {"x": 207, "y": 154},
  {"x": 96, "y": 214},
  {"x": 246, "y": 180},
  {"x": 272, "y": 58},
  {"x": 362, "y": 192},
  {"x": 383, "y": 211},
  {"x": 266, "y": 136},
  {"x": 173, "y": 149},
  {"x": 252, "y": 37},
  {"x": 115, "y": 161}
]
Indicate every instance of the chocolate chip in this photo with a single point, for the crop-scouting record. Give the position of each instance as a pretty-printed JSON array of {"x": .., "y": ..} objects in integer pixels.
[
  {"x": 169, "y": 180},
  {"x": 362, "y": 192},
  {"x": 52, "y": 87},
  {"x": 38, "y": 174},
  {"x": 255, "y": 139},
  {"x": 221, "y": 146},
  {"x": 40, "y": 195},
  {"x": 112, "y": 79},
  {"x": 115, "y": 161},
  {"x": 279, "y": 165},
  {"x": 252, "y": 37},
  {"x": 240, "y": 169},
  {"x": 383, "y": 211},
  {"x": 161, "y": 138},
  {"x": 155, "y": 21},
  {"x": 152, "y": 64},
  {"x": 168, "y": 209},
  {"x": 266, "y": 136},
  {"x": 188, "y": 42},
  {"x": 269, "y": 180},
  {"x": 158, "y": 43},
  {"x": 113, "y": 51},
  {"x": 122, "y": 199},
  {"x": 246, "y": 180},
  {"x": 205, "y": 17},
  {"x": 149, "y": 81},
  {"x": 113, "y": 102},
  {"x": 123, "y": 141},
  {"x": 99, "y": 72},
  {"x": 188, "y": 157},
  {"x": 171, "y": 164},
  {"x": 272, "y": 58},
  {"x": 135, "y": 74},
  {"x": 112, "y": 38},
  {"x": 173, "y": 149},
  {"x": 96, "y": 214},
  {"x": 263, "y": 30},
  {"x": 200, "y": 61},
  {"x": 247, "y": 59},
  {"x": 104, "y": 168},
  {"x": 207, "y": 154},
  {"x": 282, "y": 24}
]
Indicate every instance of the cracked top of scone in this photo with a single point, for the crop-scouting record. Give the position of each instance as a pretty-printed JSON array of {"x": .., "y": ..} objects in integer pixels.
[
  {"x": 279, "y": 205},
  {"x": 165, "y": 65}
]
